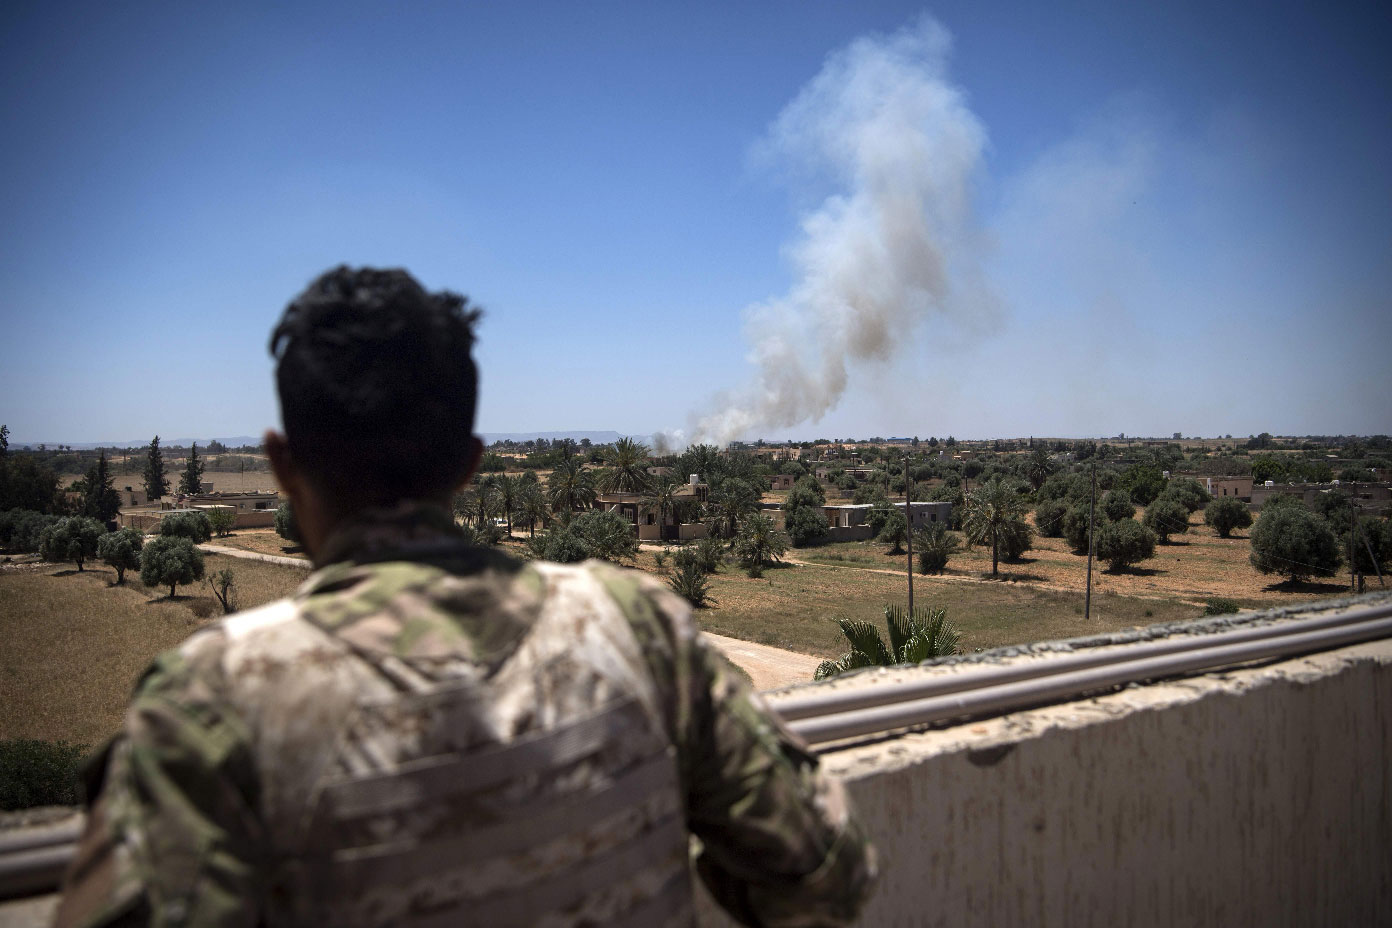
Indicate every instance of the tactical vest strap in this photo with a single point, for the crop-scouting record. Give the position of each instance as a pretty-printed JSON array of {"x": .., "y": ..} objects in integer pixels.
[
  {"x": 435, "y": 778},
  {"x": 516, "y": 829},
  {"x": 663, "y": 846}
]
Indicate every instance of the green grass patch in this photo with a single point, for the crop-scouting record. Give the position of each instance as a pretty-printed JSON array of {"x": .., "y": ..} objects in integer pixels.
[{"x": 796, "y": 608}]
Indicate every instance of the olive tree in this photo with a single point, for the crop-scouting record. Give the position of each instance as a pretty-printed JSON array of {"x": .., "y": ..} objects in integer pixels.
[
  {"x": 1294, "y": 542},
  {"x": 222, "y": 519},
  {"x": 1227, "y": 513},
  {"x": 193, "y": 525},
  {"x": 1124, "y": 543},
  {"x": 121, "y": 550},
  {"x": 169, "y": 560},
  {"x": 1165, "y": 517},
  {"x": 73, "y": 538}
]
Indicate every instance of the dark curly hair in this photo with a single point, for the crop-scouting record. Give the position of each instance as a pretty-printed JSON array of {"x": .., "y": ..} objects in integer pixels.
[{"x": 377, "y": 385}]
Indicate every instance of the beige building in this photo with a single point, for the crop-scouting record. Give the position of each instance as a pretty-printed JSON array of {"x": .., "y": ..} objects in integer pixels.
[
  {"x": 850, "y": 522},
  {"x": 647, "y": 522},
  {"x": 1240, "y": 487}
]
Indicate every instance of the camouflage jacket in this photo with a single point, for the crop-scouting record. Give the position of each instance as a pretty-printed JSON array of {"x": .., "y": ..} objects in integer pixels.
[{"x": 407, "y": 647}]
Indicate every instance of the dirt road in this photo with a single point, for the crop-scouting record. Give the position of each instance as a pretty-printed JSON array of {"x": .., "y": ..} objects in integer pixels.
[
  {"x": 299, "y": 562},
  {"x": 767, "y": 666}
]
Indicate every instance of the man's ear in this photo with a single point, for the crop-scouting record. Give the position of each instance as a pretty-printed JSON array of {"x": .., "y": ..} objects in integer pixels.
[
  {"x": 475, "y": 456},
  {"x": 282, "y": 464}
]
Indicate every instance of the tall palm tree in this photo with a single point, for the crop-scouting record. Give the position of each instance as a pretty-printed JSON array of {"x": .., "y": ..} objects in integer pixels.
[
  {"x": 570, "y": 487},
  {"x": 627, "y": 471},
  {"x": 1038, "y": 467},
  {"x": 509, "y": 490},
  {"x": 531, "y": 506},
  {"x": 992, "y": 510},
  {"x": 661, "y": 497},
  {"x": 730, "y": 502}
]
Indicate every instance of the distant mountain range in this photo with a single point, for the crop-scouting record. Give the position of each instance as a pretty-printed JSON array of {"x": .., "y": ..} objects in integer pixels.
[{"x": 235, "y": 441}]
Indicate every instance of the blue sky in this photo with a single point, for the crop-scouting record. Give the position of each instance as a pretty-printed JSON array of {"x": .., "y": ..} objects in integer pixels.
[{"x": 1150, "y": 219}]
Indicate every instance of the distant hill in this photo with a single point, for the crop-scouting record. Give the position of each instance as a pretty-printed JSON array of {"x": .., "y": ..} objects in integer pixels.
[{"x": 235, "y": 441}]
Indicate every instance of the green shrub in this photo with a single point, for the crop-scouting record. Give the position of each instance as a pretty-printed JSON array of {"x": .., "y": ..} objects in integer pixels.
[
  {"x": 688, "y": 580},
  {"x": 22, "y": 529},
  {"x": 1048, "y": 518},
  {"x": 1219, "y": 605},
  {"x": 285, "y": 525},
  {"x": 39, "y": 773},
  {"x": 222, "y": 519},
  {"x": 710, "y": 554},
  {"x": 192, "y": 525},
  {"x": 934, "y": 545}
]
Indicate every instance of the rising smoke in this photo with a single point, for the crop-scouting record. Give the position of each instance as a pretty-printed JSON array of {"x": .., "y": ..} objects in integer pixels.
[{"x": 896, "y": 243}]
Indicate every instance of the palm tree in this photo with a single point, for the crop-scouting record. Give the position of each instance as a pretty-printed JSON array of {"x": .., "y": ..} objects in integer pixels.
[
  {"x": 992, "y": 510},
  {"x": 627, "y": 471},
  {"x": 485, "y": 498},
  {"x": 532, "y": 507},
  {"x": 759, "y": 543},
  {"x": 661, "y": 497},
  {"x": 509, "y": 491},
  {"x": 912, "y": 638},
  {"x": 570, "y": 487},
  {"x": 729, "y": 503},
  {"x": 1038, "y": 467}
]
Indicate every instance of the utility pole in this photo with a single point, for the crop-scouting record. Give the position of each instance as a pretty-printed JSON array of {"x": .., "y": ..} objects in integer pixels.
[
  {"x": 908, "y": 532},
  {"x": 1092, "y": 511},
  {"x": 1353, "y": 525}
]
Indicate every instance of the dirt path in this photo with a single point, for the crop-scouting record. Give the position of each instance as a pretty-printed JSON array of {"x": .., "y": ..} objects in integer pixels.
[
  {"x": 767, "y": 666},
  {"x": 257, "y": 556}
]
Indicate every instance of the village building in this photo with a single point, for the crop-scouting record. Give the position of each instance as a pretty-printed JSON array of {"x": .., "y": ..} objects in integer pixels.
[
  {"x": 1240, "y": 487},
  {"x": 851, "y": 522},
  {"x": 646, "y": 521},
  {"x": 1370, "y": 498}
]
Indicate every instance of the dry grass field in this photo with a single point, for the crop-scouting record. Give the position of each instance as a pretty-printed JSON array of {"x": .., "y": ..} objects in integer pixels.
[
  {"x": 1194, "y": 567},
  {"x": 75, "y": 644},
  {"x": 261, "y": 541}
]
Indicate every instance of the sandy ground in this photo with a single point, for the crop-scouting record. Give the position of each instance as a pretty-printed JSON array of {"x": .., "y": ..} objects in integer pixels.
[
  {"x": 767, "y": 666},
  {"x": 257, "y": 556}
]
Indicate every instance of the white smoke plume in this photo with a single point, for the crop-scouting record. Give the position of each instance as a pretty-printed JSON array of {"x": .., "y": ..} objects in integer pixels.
[{"x": 895, "y": 244}]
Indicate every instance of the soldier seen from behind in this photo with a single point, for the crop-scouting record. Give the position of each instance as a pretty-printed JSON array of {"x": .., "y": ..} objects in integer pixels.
[{"x": 432, "y": 733}]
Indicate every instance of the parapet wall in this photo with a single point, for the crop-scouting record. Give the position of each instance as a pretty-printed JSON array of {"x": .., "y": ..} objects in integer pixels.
[{"x": 1259, "y": 796}]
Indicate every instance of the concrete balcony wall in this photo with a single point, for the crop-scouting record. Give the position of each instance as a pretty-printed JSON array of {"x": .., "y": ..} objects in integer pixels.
[{"x": 1251, "y": 797}]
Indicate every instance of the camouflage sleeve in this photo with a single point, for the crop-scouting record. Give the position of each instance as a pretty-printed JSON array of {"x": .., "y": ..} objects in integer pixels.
[
  {"x": 780, "y": 845},
  {"x": 171, "y": 833}
]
